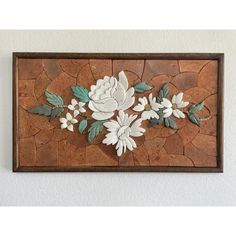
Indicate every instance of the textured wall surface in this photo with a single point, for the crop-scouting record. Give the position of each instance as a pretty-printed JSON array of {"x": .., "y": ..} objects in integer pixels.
[{"x": 117, "y": 188}]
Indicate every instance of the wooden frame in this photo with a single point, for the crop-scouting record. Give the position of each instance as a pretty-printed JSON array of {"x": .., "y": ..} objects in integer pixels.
[{"x": 168, "y": 56}]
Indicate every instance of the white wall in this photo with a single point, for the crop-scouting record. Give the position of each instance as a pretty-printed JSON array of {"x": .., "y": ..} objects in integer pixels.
[{"x": 117, "y": 188}]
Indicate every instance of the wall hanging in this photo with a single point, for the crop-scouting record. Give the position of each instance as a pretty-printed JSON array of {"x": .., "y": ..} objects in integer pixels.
[{"x": 118, "y": 112}]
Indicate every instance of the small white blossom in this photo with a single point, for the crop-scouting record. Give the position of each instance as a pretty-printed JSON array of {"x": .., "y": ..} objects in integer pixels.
[
  {"x": 174, "y": 107},
  {"x": 76, "y": 107},
  {"x": 68, "y": 122},
  {"x": 121, "y": 132},
  {"x": 149, "y": 108}
]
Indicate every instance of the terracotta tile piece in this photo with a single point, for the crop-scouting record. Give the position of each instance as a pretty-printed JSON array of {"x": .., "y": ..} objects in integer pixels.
[
  {"x": 191, "y": 65},
  {"x": 174, "y": 144},
  {"x": 100, "y": 68},
  {"x": 184, "y": 81}
]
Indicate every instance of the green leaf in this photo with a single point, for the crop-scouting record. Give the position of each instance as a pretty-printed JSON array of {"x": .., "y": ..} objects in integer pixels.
[
  {"x": 95, "y": 129},
  {"x": 170, "y": 123},
  {"x": 193, "y": 118},
  {"x": 82, "y": 125},
  {"x": 81, "y": 93},
  {"x": 54, "y": 99},
  {"x": 196, "y": 108},
  {"x": 41, "y": 110},
  {"x": 155, "y": 121},
  {"x": 163, "y": 93},
  {"x": 56, "y": 112},
  {"x": 141, "y": 87}
]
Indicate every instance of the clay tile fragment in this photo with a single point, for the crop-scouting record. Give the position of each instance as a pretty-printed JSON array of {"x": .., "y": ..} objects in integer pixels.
[
  {"x": 174, "y": 144},
  {"x": 27, "y": 151},
  {"x": 100, "y": 68},
  {"x": 192, "y": 65},
  {"x": 184, "y": 81}
]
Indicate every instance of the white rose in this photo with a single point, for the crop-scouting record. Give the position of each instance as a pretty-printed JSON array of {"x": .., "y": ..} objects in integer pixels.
[{"x": 109, "y": 95}]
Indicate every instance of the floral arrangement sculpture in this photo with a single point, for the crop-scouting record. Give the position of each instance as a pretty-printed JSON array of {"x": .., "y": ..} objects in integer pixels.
[{"x": 107, "y": 102}]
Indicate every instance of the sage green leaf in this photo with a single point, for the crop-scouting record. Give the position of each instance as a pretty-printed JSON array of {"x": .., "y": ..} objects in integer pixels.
[
  {"x": 41, "y": 110},
  {"x": 141, "y": 87},
  {"x": 56, "y": 112},
  {"x": 155, "y": 121},
  {"x": 170, "y": 123},
  {"x": 163, "y": 93},
  {"x": 95, "y": 129},
  {"x": 194, "y": 119},
  {"x": 82, "y": 125},
  {"x": 196, "y": 108},
  {"x": 54, "y": 99},
  {"x": 81, "y": 93}
]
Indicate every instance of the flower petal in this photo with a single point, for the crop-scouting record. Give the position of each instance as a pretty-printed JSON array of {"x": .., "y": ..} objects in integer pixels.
[
  {"x": 82, "y": 110},
  {"x": 179, "y": 98},
  {"x": 175, "y": 113},
  {"x": 123, "y": 80},
  {"x": 70, "y": 128},
  {"x": 74, "y": 102},
  {"x": 166, "y": 103},
  {"x": 63, "y": 126},
  {"x": 74, "y": 121},
  {"x": 173, "y": 99},
  {"x": 109, "y": 106},
  {"x": 135, "y": 129},
  {"x": 146, "y": 115},
  {"x": 153, "y": 114},
  {"x": 129, "y": 101},
  {"x": 70, "y": 107},
  {"x": 167, "y": 112},
  {"x": 91, "y": 106},
  {"x": 182, "y": 104},
  {"x": 63, "y": 120},
  {"x": 81, "y": 104},
  {"x": 76, "y": 113},
  {"x": 68, "y": 116},
  {"x": 138, "y": 107},
  {"x": 119, "y": 148},
  {"x": 102, "y": 115},
  {"x": 180, "y": 113},
  {"x": 111, "y": 124}
]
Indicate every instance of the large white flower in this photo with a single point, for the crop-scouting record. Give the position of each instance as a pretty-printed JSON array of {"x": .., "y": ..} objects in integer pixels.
[
  {"x": 149, "y": 109},
  {"x": 109, "y": 95},
  {"x": 121, "y": 132},
  {"x": 174, "y": 107},
  {"x": 68, "y": 122},
  {"x": 76, "y": 107}
]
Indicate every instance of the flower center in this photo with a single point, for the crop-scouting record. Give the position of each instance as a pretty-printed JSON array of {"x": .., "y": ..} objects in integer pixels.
[
  {"x": 68, "y": 123},
  {"x": 77, "y": 106},
  {"x": 147, "y": 107},
  {"x": 174, "y": 106}
]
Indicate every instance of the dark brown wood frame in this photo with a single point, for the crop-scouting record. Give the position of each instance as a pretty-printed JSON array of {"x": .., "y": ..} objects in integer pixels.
[{"x": 167, "y": 56}]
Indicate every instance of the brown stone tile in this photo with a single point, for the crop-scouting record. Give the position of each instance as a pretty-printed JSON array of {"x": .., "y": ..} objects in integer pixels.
[
  {"x": 52, "y": 68},
  {"x": 135, "y": 66},
  {"x": 188, "y": 132},
  {"x": 100, "y": 68},
  {"x": 157, "y": 82},
  {"x": 47, "y": 154},
  {"x": 163, "y": 159},
  {"x": 141, "y": 157},
  {"x": 154, "y": 146},
  {"x": 206, "y": 144},
  {"x": 27, "y": 102},
  {"x": 26, "y": 88},
  {"x": 43, "y": 137},
  {"x": 85, "y": 77},
  {"x": 211, "y": 104},
  {"x": 41, "y": 84},
  {"x": 132, "y": 78},
  {"x": 70, "y": 67},
  {"x": 59, "y": 84},
  {"x": 159, "y": 67},
  {"x": 39, "y": 122},
  {"x": 25, "y": 127},
  {"x": 60, "y": 134},
  {"x": 174, "y": 145},
  {"x": 184, "y": 81},
  {"x": 126, "y": 159},
  {"x": 27, "y": 151},
  {"x": 196, "y": 94},
  {"x": 209, "y": 126},
  {"x": 208, "y": 77},
  {"x": 77, "y": 139},
  {"x": 198, "y": 157},
  {"x": 96, "y": 157},
  {"x": 180, "y": 160},
  {"x": 166, "y": 132},
  {"x": 192, "y": 65},
  {"x": 29, "y": 69}
]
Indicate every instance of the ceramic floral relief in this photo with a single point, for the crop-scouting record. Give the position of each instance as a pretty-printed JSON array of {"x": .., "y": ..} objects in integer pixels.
[{"x": 113, "y": 105}]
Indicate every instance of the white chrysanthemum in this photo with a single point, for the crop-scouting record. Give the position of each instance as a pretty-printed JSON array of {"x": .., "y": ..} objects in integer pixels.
[
  {"x": 121, "y": 132},
  {"x": 109, "y": 95},
  {"x": 68, "y": 122},
  {"x": 149, "y": 108},
  {"x": 174, "y": 107},
  {"x": 76, "y": 107}
]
